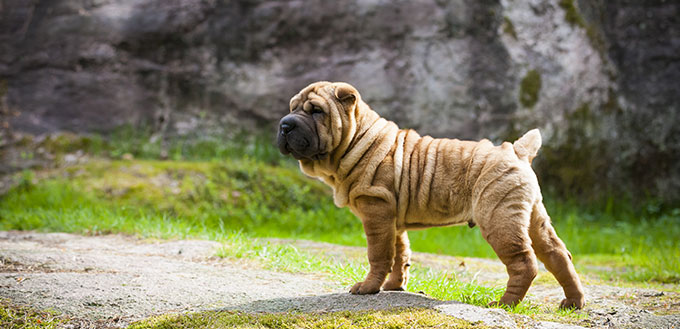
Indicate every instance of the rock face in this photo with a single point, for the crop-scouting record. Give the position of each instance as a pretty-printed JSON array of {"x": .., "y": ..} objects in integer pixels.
[{"x": 598, "y": 77}]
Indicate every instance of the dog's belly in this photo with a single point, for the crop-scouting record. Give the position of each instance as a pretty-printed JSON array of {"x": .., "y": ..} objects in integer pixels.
[{"x": 440, "y": 220}]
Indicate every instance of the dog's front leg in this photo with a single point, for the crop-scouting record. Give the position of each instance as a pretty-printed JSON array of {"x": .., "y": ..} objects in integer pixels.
[
  {"x": 379, "y": 221},
  {"x": 402, "y": 260}
]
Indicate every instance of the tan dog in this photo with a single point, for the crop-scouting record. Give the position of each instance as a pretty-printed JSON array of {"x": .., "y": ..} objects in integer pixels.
[{"x": 395, "y": 180}]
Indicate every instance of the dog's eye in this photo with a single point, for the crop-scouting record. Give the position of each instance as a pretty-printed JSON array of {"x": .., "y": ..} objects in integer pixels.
[{"x": 316, "y": 110}]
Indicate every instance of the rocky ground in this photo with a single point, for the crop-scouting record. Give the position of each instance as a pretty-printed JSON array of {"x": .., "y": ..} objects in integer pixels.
[{"x": 113, "y": 280}]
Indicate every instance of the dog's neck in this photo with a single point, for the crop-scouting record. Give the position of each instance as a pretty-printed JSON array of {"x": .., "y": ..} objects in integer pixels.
[
  {"x": 365, "y": 120},
  {"x": 340, "y": 166}
]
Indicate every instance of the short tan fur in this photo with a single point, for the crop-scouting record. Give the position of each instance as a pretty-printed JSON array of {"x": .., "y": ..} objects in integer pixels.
[{"x": 395, "y": 180}]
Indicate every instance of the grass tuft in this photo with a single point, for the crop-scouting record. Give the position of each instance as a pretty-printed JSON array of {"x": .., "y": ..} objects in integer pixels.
[
  {"x": 12, "y": 316},
  {"x": 446, "y": 286}
]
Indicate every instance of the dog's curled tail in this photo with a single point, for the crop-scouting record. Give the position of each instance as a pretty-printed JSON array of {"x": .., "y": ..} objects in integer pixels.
[{"x": 526, "y": 147}]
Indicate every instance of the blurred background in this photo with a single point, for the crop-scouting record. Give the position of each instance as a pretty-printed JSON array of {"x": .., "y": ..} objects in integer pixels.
[
  {"x": 599, "y": 78},
  {"x": 157, "y": 117}
]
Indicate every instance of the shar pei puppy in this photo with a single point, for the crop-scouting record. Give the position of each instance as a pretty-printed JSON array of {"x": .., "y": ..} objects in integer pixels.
[{"x": 395, "y": 180}]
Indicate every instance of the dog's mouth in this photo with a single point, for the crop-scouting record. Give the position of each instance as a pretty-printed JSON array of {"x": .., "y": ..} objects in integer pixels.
[
  {"x": 301, "y": 156},
  {"x": 302, "y": 152},
  {"x": 320, "y": 156}
]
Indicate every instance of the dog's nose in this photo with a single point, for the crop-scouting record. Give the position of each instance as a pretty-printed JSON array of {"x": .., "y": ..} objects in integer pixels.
[
  {"x": 286, "y": 128},
  {"x": 287, "y": 124}
]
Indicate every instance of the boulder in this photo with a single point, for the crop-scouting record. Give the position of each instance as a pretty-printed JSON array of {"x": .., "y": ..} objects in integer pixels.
[{"x": 599, "y": 78}]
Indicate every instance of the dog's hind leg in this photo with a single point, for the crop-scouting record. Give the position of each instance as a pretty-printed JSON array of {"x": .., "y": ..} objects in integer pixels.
[
  {"x": 509, "y": 238},
  {"x": 399, "y": 276},
  {"x": 554, "y": 254}
]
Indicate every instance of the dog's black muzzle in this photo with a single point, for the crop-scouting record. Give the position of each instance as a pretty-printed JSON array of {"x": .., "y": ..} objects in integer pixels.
[{"x": 297, "y": 136}]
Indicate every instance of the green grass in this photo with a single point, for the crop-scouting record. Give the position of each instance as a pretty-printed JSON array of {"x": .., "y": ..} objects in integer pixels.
[
  {"x": 288, "y": 258},
  {"x": 396, "y": 318},
  {"x": 19, "y": 317},
  {"x": 217, "y": 186},
  {"x": 241, "y": 185},
  {"x": 175, "y": 199},
  {"x": 443, "y": 285},
  {"x": 237, "y": 190},
  {"x": 446, "y": 286},
  {"x": 169, "y": 199},
  {"x": 644, "y": 242},
  {"x": 285, "y": 257},
  {"x": 633, "y": 244},
  {"x": 140, "y": 142}
]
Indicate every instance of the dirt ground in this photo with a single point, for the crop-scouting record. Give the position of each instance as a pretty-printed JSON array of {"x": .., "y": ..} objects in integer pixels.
[{"x": 113, "y": 280}]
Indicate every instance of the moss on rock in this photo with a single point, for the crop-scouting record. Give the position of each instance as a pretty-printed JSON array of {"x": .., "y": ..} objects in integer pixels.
[
  {"x": 529, "y": 88},
  {"x": 509, "y": 28},
  {"x": 574, "y": 17},
  {"x": 580, "y": 162},
  {"x": 571, "y": 14}
]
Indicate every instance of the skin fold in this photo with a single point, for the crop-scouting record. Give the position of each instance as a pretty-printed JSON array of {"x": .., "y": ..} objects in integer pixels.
[{"x": 395, "y": 180}]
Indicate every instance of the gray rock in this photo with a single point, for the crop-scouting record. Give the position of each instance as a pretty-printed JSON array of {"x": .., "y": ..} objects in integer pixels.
[
  {"x": 491, "y": 317},
  {"x": 112, "y": 280},
  {"x": 607, "y": 101}
]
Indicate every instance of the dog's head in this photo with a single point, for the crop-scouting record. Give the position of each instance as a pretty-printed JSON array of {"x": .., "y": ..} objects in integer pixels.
[{"x": 322, "y": 119}]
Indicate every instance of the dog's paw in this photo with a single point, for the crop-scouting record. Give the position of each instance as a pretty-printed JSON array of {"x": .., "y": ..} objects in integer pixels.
[
  {"x": 575, "y": 303},
  {"x": 393, "y": 286},
  {"x": 494, "y": 304},
  {"x": 364, "y": 288}
]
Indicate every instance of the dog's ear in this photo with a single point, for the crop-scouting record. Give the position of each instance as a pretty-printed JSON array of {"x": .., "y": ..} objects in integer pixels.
[{"x": 345, "y": 93}]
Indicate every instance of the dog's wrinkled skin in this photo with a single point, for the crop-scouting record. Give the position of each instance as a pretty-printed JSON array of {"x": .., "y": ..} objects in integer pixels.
[{"x": 395, "y": 180}]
